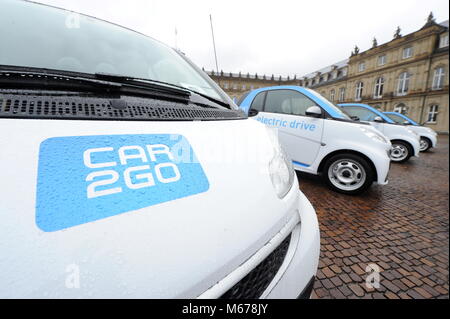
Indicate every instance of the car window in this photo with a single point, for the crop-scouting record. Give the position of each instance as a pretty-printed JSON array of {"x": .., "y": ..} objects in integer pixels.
[
  {"x": 287, "y": 102},
  {"x": 242, "y": 98},
  {"x": 258, "y": 101},
  {"x": 397, "y": 118},
  {"x": 361, "y": 112}
]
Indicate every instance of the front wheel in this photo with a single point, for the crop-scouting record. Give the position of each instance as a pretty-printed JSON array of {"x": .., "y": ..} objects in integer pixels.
[
  {"x": 425, "y": 144},
  {"x": 400, "y": 152},
  {"x": 348, "y": 174}
]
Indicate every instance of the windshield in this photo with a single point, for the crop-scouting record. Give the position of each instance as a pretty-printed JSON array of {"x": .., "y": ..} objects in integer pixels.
[
  {"x": 362, "y": 113},
  {"x": 39, "y": 36},
  {"x": 336, "y": 110},
  {"x": 397, "y": 118}
]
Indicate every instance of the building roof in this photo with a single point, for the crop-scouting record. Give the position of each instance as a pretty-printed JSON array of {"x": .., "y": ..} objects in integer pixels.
[
  {"x": 344, "y": 63},
  {"x": 250, "y": 76},
  {"x": 338, "y": 65}
]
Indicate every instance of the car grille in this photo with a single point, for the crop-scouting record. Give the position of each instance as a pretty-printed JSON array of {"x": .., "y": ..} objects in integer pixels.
[{"x": 256, "y": 282}]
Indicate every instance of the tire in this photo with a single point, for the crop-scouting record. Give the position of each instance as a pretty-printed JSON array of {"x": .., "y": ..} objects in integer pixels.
[
  {"x": 401, "y": 152},
  {"x": 425, "y": 144},
  {"x": 348, "y": 174}
]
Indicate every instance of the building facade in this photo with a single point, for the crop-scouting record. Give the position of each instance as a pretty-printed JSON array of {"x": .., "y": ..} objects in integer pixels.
[{"x": 409, "y": 74}]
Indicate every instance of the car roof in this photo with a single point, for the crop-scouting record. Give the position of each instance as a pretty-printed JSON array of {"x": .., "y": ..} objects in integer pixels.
[{"x": 370, "y": 108}]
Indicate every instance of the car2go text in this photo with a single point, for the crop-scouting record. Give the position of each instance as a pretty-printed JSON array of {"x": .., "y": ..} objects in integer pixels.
[{"x": 142, "y": 172}]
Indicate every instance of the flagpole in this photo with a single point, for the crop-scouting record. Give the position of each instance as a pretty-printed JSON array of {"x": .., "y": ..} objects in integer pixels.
[
  {"x": 214, "y": 44},
  {"x": 176, "y": 42}
]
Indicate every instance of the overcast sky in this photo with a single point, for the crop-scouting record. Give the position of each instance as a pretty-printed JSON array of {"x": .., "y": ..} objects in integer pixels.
[{"x": 284, "y": 37}]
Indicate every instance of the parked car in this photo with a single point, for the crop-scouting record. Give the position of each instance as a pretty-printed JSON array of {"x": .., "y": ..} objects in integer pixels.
[
  {"x": 111, "y": 185},
  {"x": 428, "y": 137},
  {"x": 320, "y": 138},
  {"x": 405, "y": 142}
]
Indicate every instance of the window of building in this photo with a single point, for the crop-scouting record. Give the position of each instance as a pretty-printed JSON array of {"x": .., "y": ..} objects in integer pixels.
[
  {"x": 403, "y": 83},
  {"x": 359, "y": 91},
  {"x": 287, "y": 102},
  {"x": 252, "y": 87},
  {"x": 332, "y": 94},
  {"x": 382, "y": 60},
  {"x": 341, "y": 94},
  {"x": 407, "y": 52},
  {"x": 443, "y": 41},
  {"x": 225, "y": 85},
  {"x": 433, "y": 113},
  {"x": 401, "y": 108},
  {"x": 362, "y": 66},
  {"x": 438, "y": 78},
  {"x": 244, "y": 87},
  {"x": 379, "y": 86},
  {"x": 234, "y": 86}
]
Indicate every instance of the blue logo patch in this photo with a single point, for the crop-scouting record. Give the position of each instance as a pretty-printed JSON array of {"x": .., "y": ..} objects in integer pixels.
[{"x": 86, "y": 178}]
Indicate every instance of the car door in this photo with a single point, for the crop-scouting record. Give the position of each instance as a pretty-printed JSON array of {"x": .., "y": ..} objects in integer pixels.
[{"x": 300, "y": 135}]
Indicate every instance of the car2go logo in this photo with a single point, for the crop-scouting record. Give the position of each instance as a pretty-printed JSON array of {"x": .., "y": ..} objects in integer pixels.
[{"x": 86, "y": 178}]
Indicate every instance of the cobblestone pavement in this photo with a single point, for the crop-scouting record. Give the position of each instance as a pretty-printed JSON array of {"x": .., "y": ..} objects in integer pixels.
[{"x": 401, "y": 227}]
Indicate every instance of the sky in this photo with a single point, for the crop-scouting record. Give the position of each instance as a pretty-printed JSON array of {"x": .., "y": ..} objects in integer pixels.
[{"x": 283, "y": 37}]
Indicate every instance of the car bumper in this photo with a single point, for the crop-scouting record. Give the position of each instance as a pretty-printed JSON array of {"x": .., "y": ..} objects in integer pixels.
[
  {"x": 433, "y": 139},
  {"x": 300, "y": 266},
  {"x": 416, "y": 146},
  {"x": 299, "y": 263}
]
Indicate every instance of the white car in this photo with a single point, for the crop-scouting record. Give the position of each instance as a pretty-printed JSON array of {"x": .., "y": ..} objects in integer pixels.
[
  {"x": 320, "y": 138},
  {"x": 405, "y": 142},
  {"x": 126, "y": 174},
  {"x": 428, "y": 136}
]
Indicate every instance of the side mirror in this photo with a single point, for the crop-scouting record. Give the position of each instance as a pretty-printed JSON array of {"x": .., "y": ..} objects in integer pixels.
[
  {"x": 252, "y": 112},
  {"x": 355, "y": 118},
  {"x": 406, "y": 123},
  {"x": 378, "y": 119},
  {"x": 314, "y": 111}
]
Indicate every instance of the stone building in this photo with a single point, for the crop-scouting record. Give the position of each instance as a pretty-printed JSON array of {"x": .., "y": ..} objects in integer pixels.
[
  {"x": 409, "y": 74},
  {"x": 236, "y": 84}
]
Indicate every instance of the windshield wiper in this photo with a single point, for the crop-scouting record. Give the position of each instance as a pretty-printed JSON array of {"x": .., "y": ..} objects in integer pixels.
[
  {"x": 132, "y": 80},
  {"x": 32, "y": 78}
]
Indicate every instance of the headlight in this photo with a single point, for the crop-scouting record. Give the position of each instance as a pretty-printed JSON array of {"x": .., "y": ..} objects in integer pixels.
[
  {"x": 374, "y": 135},
  {"x": 280, "y": 169}
]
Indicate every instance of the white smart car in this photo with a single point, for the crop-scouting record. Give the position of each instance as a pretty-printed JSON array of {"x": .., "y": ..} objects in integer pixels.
[
  {"x": 320, "y": 138},
  {"x": 125, "y": 173},
  {"x": 428, "y": 136},
  {"x": 405, "y": 142}
]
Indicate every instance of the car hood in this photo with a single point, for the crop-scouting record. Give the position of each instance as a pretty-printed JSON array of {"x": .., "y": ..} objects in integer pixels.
[
  {"x": 421, "y": 129},
  {"x": 174, "y": 242}
]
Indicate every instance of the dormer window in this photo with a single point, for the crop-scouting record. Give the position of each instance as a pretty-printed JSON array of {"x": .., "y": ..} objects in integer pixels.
[
  {"x": 443, "y": 41},
  {"x": 382, "y": 60},
  {"x": 407, "y": 52},
  {"x": 362, "y": 66}
]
